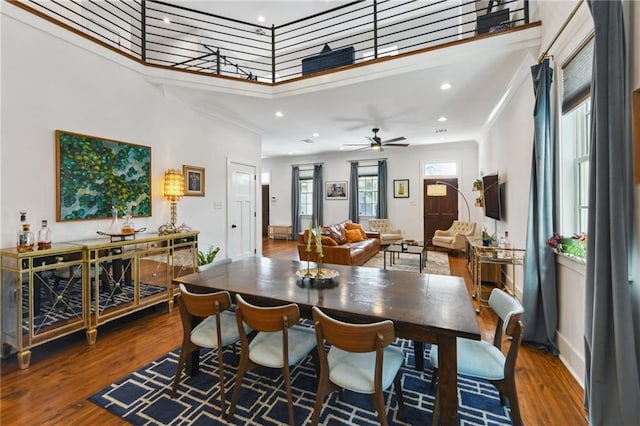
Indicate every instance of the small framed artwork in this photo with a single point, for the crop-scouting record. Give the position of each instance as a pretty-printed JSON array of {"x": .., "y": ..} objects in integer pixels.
[
  {"x": 401, "y": 188},
  {"x": 193, "y": 180},
  {"x": 336, "y": 190}
]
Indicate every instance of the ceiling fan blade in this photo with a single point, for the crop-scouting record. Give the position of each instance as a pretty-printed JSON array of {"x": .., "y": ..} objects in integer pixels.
[
  {"x": 355, "y": 144},
  {"x": 372, "y": 139},
  {"x": 400, "y": 138},
  {"x": 395, "y": 144}
]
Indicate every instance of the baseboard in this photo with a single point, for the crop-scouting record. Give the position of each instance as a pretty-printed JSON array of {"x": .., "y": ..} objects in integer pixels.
[{"x": 572, "y": 359}]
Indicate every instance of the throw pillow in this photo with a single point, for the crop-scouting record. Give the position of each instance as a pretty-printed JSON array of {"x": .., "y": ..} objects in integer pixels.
[
  {"x": 328, "y": 241},
  {"x": 337, "y": 233},
  {"x": 358, "y": 227},
  {"x": 353, "y": 235}
]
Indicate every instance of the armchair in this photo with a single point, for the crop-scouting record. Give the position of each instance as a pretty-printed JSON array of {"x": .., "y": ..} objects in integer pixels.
[
  {"x": 454, "y": 237},
  {"x": 388, "y": 235}
]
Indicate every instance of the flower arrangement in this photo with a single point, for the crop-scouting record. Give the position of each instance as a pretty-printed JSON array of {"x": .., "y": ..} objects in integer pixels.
[
  {"x": 575, "y": 246},
  {"x": 486, "y": 238}
]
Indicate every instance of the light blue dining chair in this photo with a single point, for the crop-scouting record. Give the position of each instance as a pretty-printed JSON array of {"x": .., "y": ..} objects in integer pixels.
[
  {"x": 360, "y": 360},
  {"x": 484, "y": 360},
  {"x": 280, "y": 343}
]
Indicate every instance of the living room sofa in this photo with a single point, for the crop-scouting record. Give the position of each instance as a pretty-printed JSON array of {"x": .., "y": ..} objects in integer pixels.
[{"x": 339, "y": 245}]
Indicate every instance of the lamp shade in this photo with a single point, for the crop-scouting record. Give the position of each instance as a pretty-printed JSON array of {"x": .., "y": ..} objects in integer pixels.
[
  {"x": 173, "y": 185},
  {"x": 437, "y": 190}
]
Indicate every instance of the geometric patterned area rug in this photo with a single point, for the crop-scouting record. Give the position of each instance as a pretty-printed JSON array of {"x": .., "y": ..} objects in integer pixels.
[
  {"x": 144, "y": 397},
  {"x": 437, "y": 263}
]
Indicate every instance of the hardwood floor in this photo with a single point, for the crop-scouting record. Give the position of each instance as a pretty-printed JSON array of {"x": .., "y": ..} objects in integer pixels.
[{"x": 54, "y": 390}]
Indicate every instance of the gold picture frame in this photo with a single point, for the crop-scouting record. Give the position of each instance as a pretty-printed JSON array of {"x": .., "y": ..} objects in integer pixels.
[
  {"x": 401, "y": 188},
  {"x": 193, "y": 181}
]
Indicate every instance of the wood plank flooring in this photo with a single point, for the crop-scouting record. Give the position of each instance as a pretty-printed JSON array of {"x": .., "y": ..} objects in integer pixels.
[{"x": 54, "y": 390}]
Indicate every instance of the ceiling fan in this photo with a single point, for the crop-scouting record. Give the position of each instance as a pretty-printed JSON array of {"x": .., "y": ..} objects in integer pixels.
[{"x": 377, "y": 143}]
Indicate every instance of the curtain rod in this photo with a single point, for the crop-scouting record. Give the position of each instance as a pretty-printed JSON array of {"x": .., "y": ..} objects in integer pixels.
[
  {"x": 308, "y": 164},
  {"x": 366, "y": 159},
  {"x": 562, "y": 28}
]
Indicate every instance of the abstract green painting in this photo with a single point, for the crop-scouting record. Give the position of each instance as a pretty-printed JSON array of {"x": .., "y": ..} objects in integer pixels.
[{"x": 95, "y": 174}]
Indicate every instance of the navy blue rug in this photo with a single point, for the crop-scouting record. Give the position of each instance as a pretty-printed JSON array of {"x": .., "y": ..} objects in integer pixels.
[{"x": 144, "y": 397}]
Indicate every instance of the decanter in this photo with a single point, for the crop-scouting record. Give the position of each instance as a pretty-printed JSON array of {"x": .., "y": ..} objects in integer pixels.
[
  {"x": 25, "y": 236},
  {"x": 114, "y": 228},
  {"x": 44, "y": 236},
  {"x": 128, "y": 226}
]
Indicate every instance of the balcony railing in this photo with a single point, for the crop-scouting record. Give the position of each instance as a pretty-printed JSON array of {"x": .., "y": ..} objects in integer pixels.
[{"x": 169, "y": 35}]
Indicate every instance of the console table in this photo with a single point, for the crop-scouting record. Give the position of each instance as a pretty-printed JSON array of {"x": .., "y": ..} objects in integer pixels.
[
  {"x": 79, "y": 285},
  {"x": 488, "y": 267},
  {"x": 285, "y": 231}
]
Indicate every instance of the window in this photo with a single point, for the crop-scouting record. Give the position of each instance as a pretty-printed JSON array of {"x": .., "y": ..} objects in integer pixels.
[
  {"x": 440, "y": 169},
  {"x": 306, "y": 192},
  {"x": 368, "y": 191},
  {"x": 574, "y": 143},
  {"x": 576, "y": 134}
]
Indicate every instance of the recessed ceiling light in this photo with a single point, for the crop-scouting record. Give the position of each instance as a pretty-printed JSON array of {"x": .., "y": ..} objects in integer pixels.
[
  {"x": 279, "y": 114},
  {"x": 290, "y": 153},
  {"x": 342, "y": 148},
  {"x": 261, "y": 18},
  {"x": 445, "y": 86},
  {"x": 166, "y": 20},
  {"x": 315, "y": 135},
  {"x": 442, "y": 119}
]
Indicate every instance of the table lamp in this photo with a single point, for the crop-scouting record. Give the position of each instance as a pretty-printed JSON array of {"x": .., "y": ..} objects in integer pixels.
[{"x": 173, "y": 191}]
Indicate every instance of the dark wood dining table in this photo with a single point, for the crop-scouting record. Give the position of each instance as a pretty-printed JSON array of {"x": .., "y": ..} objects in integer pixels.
[{"x": 425, "y": 308}]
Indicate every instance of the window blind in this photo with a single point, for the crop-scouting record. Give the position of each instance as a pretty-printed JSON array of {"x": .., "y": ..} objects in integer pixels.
[{"x": 576, "y": 77}]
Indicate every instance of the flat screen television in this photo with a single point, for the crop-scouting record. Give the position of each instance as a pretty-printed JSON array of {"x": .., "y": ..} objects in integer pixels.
[{"x": 491, "y": 187}]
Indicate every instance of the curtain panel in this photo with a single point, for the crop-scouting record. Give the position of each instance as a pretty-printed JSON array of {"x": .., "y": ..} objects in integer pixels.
[
  {"x": 382, "y": 189},
  {"x": 354, "y": 215},
  {"x": 318, "y": 205},
  {"x": 540, "y": 287},
  {"x": 612, "y": 379},
  {"x": 295, "y": 200}
]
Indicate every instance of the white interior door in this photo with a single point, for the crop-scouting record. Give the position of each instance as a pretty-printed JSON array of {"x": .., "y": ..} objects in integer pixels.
[{"x": 242, "y": 210}]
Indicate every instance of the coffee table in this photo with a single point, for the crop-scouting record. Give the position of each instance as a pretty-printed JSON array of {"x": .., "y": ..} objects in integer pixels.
[{"x": 397, "y": 249}]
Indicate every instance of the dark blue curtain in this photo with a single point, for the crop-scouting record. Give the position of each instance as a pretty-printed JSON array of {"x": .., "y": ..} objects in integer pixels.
[
  {"x": 295, "y": 200},
  {"x": 612, "y": 382},
  {"x": 317, "y": 214},
  {"x": 382, "y": 189},
  {"x": 540, "y": 291},
  {"x": 354, "y": 215}
]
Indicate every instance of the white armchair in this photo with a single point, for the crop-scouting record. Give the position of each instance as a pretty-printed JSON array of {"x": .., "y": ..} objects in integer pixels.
[
  {"x": 454, "y": 238},
  {"x": 388, "y": 234}
]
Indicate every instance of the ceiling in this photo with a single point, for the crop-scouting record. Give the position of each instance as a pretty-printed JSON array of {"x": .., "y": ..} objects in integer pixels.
[{"x": 401, "y": 97}]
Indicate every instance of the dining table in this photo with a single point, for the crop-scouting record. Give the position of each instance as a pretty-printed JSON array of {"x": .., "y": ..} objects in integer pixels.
[{"x": 425, "y": 308}]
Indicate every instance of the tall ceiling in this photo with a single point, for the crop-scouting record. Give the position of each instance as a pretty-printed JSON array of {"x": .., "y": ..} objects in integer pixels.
[{"x": 401, "y": 97}]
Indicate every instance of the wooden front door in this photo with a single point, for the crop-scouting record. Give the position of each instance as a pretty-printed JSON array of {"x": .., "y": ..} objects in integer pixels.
[
  {"x": 439, "y": 212},
  {"x": 266, "y": 202}
]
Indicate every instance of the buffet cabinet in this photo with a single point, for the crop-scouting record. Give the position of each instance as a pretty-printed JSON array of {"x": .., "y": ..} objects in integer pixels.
[{"x": 79, "y": 285}]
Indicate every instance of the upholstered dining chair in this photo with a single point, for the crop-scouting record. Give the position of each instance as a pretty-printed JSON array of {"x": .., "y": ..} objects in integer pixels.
[
  {"x": 279, "y": 343},
  {"x": 484, "y": 360},
  {"x": 360, "y": 360},
  {"x": 206, "y": 323}
]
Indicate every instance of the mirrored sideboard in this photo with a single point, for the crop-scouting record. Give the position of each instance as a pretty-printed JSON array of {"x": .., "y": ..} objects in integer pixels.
[{"x": 79, "y": 285}]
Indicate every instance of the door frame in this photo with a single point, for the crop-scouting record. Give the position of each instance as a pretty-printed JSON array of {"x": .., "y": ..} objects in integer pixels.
[{"x": 257, "y": 205}]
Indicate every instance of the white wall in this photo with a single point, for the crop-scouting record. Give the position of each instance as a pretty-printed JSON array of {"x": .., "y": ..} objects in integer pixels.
[
  {"x": 57, "y": 82},
  {"x": 402, "y": 163}
]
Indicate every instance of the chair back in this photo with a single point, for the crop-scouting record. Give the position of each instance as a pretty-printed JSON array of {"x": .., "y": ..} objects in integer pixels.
[
  {"x": 267, "y": 319},
  {"x": 353, "y": 337},
  {"x": 462, "y": 228},
  {"x": 205, "y": 304},
  {"x": 380, "y": 225},
  {"x": 509, "y": 311}
]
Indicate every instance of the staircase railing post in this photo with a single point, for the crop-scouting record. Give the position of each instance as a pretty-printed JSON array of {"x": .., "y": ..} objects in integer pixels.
[
  {"x": 143, "y": 29},
  {"x": 273, "y": 53},
  {"x": 375, "y": 29}
]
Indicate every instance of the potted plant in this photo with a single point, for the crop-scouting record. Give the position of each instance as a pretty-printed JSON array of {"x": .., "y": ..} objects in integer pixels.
[
  {"x": 206, "y": 258},
  {"x": 486, "y": 238},
  {"x": 477, "y": 185}
]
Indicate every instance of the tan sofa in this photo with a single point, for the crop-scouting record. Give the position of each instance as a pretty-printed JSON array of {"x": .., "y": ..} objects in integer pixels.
[
  {"x": 455, "y": 237},
  {"x": 339, "y": 250},
  {"x": 388, "y": 234}
]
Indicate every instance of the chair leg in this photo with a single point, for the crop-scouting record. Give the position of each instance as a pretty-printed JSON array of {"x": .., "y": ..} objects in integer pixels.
[
  {"x": 434, "y": 377},
  {"x": 512, "y": 395},
  {"x": 221, "y": 380},
  {"x": 378, "y": 401},
  {"x": 242, "y": 368},
  {"x": 324, "y": 388},
  {"x": 436, "y": 410},
  {"x": 399, "y": 398},
  {"x": 287, "y": 383},
  {"x": 176, "y": 380}
]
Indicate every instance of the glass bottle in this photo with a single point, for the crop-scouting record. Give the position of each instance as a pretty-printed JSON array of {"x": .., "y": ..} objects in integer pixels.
[
  {"x": 114, "y": 228},
  {"x": 25, "y": 236},
  {"x": 128, "y": 226},
  {"x": 44, "y": 236}
]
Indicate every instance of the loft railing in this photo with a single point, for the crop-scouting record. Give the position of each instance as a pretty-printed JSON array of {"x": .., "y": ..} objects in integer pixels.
[{"x": 170, "y": 35}]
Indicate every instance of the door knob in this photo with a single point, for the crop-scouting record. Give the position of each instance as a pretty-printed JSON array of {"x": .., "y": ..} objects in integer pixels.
[{"x": 233, "y": 226}]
